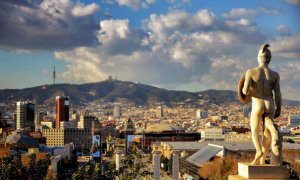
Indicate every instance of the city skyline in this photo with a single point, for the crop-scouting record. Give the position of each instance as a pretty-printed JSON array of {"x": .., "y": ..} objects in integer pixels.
[{"x": 173, "y": 44}]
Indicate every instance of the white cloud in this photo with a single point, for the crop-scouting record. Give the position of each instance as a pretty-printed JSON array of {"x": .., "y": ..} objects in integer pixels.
[
  {"x": 240, "y": 12},
  {"x": 289, "y": 79},
  {"x": 270, "y": 10},
  {"x": 293, "y": 1},
  {"x": 287, "y": 47},
  {"x": 113, "y": 28},
  {"x": 174, "y": 49},
  {"x": 283, "y": 30},
  {"x": 82, "y": 10},
  {"x": 136, "y": 4},
  {"x": 164, "y": 25},
  {"x": 241, "y": 22},
  {"x": 225, "y": 72}
]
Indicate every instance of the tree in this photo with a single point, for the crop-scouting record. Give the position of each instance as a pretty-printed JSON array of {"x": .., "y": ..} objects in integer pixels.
[
  {"x": 219, "y": 168},
  {"x": 11, "y": 167}
]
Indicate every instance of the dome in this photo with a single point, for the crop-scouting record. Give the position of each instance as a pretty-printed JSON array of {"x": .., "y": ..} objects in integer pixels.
[
  {"x": 184, "y": 154},
  {"x": 163, "y": 128}
]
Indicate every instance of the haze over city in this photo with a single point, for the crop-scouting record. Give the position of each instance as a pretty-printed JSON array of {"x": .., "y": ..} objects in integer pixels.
[{"x": 174, "y": 44}]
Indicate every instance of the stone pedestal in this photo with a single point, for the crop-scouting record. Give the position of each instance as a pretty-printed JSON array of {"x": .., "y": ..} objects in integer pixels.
[{"x": 248, "y": 171}]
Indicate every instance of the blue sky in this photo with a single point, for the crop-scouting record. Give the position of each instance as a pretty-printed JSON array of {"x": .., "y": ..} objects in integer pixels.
[{"x": 189, "y": 45}]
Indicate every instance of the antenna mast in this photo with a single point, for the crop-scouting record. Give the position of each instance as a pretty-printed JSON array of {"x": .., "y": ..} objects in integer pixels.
[{"x": 54, "y": 72}]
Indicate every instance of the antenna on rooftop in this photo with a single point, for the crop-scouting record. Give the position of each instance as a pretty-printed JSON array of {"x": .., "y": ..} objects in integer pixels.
[{"x": 54, "y": 72}]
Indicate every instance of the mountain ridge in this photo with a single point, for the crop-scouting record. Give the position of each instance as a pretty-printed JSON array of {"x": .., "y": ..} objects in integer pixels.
[{"x": 120, "y": 91}]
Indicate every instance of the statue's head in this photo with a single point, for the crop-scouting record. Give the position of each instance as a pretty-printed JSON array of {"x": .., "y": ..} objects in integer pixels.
[{"x": 264, "y": 54}]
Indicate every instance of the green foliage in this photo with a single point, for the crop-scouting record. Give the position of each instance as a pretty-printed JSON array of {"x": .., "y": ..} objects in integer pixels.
[
  {"x": 170, "y": 162},
  {"x": 165, "y": 161},
  {"x": 11, "y": 168},
  {"x": 92, "y": 172}
]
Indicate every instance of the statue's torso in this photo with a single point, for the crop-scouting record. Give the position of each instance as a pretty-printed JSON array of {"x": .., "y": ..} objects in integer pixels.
[{"x": 262, "y": 86}]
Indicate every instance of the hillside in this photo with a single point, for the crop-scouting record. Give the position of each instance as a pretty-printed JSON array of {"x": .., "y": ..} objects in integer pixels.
[{"x": 118, "y": 91}]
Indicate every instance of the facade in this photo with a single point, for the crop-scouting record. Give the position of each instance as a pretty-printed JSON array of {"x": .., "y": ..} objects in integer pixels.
[
  {"x": 82, "y": 138},
  {"x": 68, "y": 124},
  {"x": 201, "y": 114},
  {"x": 49, "y": 124},
  {"x": 86, "y": 121},
  {"x": 2, "y": 110},
  {"x": 117, "y": 111},
  {"x": 38, "y": 119},
  {"x": 238, "y": 137},
  {"x": 294, "y": 120},
  {"x": 160, "y": 112},
  {"x": 213, "y": 134},
  {"x": 24, "y": 115},
  {"x": 246, "y": 110},
  {"x": 62, "y": 110},
  {"x": 166, "y": 132}
]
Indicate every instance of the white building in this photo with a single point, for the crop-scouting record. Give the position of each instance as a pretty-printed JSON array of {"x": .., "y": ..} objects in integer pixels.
[
  {"x": 201, "y": 114},
  {"x": 294, "y": 120},
  {"x": 117, "y": 111},
  {"x": 160, "y": 112},
  {"x": 213, "y": 134},
  {"x": 49, "y": 124}
]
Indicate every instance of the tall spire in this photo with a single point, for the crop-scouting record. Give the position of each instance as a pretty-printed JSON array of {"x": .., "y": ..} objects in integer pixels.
[{"x": 54, "y": 72}]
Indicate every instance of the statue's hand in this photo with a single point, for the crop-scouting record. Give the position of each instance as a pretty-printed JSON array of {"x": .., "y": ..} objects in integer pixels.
[{"x": 277, "y": 114}]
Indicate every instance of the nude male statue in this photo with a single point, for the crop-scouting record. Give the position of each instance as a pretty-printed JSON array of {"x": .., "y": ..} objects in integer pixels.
[{"x": 260, "y": 82}]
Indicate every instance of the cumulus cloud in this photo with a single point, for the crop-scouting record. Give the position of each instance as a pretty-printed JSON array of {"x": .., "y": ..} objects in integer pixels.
[
  {"x": 287, "y": 47},
  {"x": 241, "y": 22},
  {"x": 31, "y": 26},
  {"x": 240, "y": 12},
  {"x": 82, "y": 10},
  {"x": 289, "y": 79},
  {"x": 270, "y": 10},
  {"x": 222, "y": 69},
  {"x": 173, "y": 49},
  {"x": 283, "y": 30},
  {"x": 164, "y": 25},
  {"x": 136, "y": 4},
  {"x": 293, "y": 1}
]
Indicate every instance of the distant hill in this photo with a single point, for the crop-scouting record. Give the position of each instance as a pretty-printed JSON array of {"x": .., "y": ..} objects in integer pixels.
[{"x": 119, "y": 91}]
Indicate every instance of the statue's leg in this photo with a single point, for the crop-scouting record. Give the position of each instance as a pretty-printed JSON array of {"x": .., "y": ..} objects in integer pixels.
[
  {"x": 265, "y": 145},
  {"x": 255, "y": 123},
  {"x": 274, "y": 133}
]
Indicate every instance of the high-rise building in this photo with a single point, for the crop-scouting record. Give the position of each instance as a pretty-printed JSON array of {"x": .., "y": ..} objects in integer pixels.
[
  {"x": 201, "y": 114},
  {"x": 246, "y": 110},
  {"x": 160, "y": 112},
  {"x": 2, "y": 110},
  {"x": 25, "y": 115},
  {"x": 62, "y": 110},
  {"x": 86, "y": 121},
  {"x": 117, "y": 111},
  {"x": 38, "y": 119}
]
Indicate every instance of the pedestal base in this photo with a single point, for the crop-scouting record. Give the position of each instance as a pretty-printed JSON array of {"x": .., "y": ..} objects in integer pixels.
[
  {"x": 248, "y": 171},
  {"x": 237, "y": 177}
]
